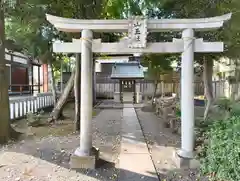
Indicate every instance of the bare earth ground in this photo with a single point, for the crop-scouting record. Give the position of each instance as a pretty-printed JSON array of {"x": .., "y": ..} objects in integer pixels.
[
  {"x": 161, "y": 142},
  {"x": 55, "y": 149},
  {"x": 44, "y": 155}
]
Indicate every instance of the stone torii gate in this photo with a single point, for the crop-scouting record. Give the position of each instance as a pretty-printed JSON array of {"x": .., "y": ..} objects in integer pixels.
[{"x": 138, "y": 28}]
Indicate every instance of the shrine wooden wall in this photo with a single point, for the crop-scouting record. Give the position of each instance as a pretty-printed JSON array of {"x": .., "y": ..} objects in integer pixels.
[{"x": 19, "y": 76}]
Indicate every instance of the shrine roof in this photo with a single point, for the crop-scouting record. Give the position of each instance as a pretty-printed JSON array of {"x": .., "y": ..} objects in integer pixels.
[{"x": 127, "y": 70}]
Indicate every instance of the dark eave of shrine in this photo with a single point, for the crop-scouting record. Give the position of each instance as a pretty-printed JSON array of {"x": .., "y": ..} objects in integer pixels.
[
  {"x": 30, "y": 61},
  {"x": 17, "y": 64}
]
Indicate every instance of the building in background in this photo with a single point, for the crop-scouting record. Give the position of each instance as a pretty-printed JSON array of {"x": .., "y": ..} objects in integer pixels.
[
  {"x": 223, "y": 69},
  {"x": 24, "y": 73}
]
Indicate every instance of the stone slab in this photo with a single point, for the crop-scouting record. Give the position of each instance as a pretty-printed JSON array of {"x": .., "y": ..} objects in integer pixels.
[
  {"x": 135, "y": 162},
  {"x": 84, "y": 162},
  {"x": 127, "y": 97},
  {"x": 136, "y": 166},
  {"x": 129, "y": 146},
  {"x": 185, "y": 162}
]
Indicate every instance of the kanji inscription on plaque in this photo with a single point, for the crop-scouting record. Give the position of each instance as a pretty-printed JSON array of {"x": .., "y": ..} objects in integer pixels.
[{"x": 137, "y": 32}]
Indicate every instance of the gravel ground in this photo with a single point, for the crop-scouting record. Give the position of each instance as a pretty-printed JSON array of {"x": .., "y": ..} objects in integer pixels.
[
  {"x": 55, "y": 151},
  {"x": 162, "y": 142}
]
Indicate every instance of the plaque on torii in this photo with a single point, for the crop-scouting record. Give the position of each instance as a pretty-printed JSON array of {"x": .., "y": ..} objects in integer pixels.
[{"x": 137, "y": 32}]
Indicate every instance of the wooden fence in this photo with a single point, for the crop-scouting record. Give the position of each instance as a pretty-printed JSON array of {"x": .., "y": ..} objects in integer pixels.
[{"x": 220, "y": 88}]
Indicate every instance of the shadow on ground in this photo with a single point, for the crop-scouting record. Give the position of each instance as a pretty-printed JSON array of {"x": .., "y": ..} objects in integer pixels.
[
  {"x": 118, "y": 175},
  {"x": 57, "y": 148},
  {"x": 107, "y": 129},
  {"x": 28, "y": 167},
  {"x": 162, "y": 142}
]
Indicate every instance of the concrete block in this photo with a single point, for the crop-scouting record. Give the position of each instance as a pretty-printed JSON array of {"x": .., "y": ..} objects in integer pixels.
[
  {"x": 116, "y": 97},
  {"x": 138, "y": 97},
  {"x": 85, "y": 162},
  {"x": 185, "y": 162}
]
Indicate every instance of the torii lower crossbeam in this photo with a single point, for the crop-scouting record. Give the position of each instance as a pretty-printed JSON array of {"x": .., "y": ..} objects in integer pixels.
[{"x": 177, "y": 46}]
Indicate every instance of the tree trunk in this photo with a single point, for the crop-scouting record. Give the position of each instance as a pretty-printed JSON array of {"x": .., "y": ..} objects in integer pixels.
[
  {"x": 155, "y": 91},
  {"x": 238, "y": 95},
  {"x": 174, "y": 88},
  {"x": 162, "y": 89},
  {"x": 235, "y": 94},
  {"x": 178, "y": 90},
  {"x": 208, "y": 89},
  {"x": 52, "y": 82},
  {"x": 77, "y": 93},
  {"x": 63, "y": 98},
  {"x": 6, "y": 131},
  {"x": 4, "y": 104}
]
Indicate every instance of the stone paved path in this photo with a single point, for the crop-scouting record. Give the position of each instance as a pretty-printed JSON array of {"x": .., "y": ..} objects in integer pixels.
[{"x": 135, "y": 162}]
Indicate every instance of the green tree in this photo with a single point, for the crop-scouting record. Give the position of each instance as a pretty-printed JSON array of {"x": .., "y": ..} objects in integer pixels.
[
  {"x": 6, "y": 131},
  {"x": 158, "y": 64},
  {"x": 228, "y": 34},
  {"x": 28, "y": 20}
]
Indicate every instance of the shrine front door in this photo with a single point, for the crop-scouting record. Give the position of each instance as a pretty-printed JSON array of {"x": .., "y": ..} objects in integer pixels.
[
  {"x": 127, "y": 88},
  {"x": 127, "y": 85}
]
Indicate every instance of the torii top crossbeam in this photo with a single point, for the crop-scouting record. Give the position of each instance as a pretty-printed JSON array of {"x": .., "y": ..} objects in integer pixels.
[{"x": 153, "y": 25}]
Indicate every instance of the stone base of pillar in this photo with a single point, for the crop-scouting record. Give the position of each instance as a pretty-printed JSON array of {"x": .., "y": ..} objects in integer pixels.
[
  {"x": 85, "y": 162},
  {"x": 145, "y": 98},
  {"x": 116, "y": 97},
  {"x": 138, "y": 97},
  {"x": 182, "y": 162}
]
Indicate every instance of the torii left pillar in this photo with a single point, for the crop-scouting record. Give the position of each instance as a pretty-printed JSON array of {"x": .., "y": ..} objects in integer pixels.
[{"x": 85, "y": 156}]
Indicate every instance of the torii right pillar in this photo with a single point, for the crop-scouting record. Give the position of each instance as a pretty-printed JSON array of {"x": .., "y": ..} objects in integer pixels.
[
  {"x": 187, "y": 94},
  {"x": 186, "y": 154}
]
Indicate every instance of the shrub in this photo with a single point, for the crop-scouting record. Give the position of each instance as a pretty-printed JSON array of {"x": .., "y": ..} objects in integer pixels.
[
  {"x": 235, "y": 109},
  {"x": 223, "y": 103},
  {"x": 220, "y": 155},
  {"x": 35, "y": 119},
  {"x": 178, "y": 110}
]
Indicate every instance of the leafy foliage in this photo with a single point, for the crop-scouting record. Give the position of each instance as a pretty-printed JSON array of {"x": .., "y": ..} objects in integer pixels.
[
  {"x": 220, "y": 156},
  {"x": 178, "y": 111},
  {"x": 223, "y": 103},
  {"x": 26, "y": 23},
  {"x": 227, "y": 105},
  {"x": 235, "y": 109},
  {"x": 219, "y": 150},
  {"x": 157, "y": 64}
]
